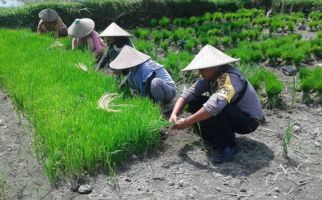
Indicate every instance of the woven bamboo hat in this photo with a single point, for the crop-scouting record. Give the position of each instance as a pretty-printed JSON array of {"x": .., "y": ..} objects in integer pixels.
[
  {"x": 81, "y": 27},
  {"x": 128, "y": 57},
  {"x": 48, "y": 15},
  {"x": 114, "y": 30},
  {"x": 209, "y": 57}
]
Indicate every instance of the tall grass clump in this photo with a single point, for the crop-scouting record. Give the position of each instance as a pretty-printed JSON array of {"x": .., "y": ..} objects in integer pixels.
[
  {"x": 311, "y": 83},
  {"x": 261, "y": 78},
  {"x": 175, "y": 62},
  {"x": 61, "y": 101}
]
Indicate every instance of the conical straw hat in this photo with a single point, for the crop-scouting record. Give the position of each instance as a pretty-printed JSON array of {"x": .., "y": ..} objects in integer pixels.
[
  {"x": 48, "y": 15},
  {"x": 114, "y": 30},
  {"x": 81, "y": 27},
  {"x": 128, "y": 57},
  {"x": 208, "y": 57}
]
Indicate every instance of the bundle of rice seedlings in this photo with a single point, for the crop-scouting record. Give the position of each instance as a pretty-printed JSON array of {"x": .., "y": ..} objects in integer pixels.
[
  {"x": 82, "y": 67},
  {"x": 105, "y": 102}
]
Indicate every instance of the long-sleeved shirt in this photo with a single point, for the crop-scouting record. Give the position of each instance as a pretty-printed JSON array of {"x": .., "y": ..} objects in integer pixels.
[
  {"x": 93, "y": 42},
  {"x": 224, "y": 90},
  {"x": 56, "y": 27},
  {"x": 138, "y": 76}
]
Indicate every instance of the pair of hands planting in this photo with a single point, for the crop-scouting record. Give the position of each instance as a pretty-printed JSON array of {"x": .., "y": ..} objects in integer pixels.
[{"x": 180, "y": 124}]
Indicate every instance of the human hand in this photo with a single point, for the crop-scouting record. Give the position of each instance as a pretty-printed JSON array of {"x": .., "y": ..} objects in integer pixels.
[
  {"x": 181, "y": 124},
  {"x": 173, "y": 118}
]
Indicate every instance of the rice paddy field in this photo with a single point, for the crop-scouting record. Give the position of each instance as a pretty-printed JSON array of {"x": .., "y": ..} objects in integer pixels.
[
  {"x": 86, "y": 131},
  {"x": 61, "y": 101}
]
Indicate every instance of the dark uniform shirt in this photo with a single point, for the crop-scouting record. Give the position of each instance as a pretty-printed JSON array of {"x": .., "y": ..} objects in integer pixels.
[{"x": 225, "y": 90}]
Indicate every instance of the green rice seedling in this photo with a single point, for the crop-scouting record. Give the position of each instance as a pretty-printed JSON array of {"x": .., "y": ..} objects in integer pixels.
[
  {"x": 165, "y": 34},
  {"x": 228, "y": 16},
  {"x": 234, "y": 37},
  {"x": 175, "y": 37},
  {"x": 313, "y": 25},
  {"x": 294, "y": 88},
  {"x": 71, "y": 134},
  {"x": 190, "y": 31},
  {"x": 144, "y": 46},
  {"x": 192, "y": 21},
  {"x": 154, "y": 22},
  {"x": 319, "y": 34},
  {"x": 157, "y": 36},
  {"x": 142, "y": 33},
  {"x": 213, "y": 41},
  {"x": 207, "y": 17},
  {"x": 315, "y": 15},
  {"x": 226, "y": 41},
  {"x": 178, "y": 22},
  {"x": 213, "y": 32},
  {"x": 318, "y": 89},
  {"x": 254, "y": 74},
  {"x": 217, "y": 16},
  {"x": 290, "y": 26},
  {"x": 287, "y": 138},
  {"x": 306, "y": 85},
  {"x": 182, "y": 33},
  {"x": 297, "y": 57},
  {"x": 316, "y": 47},
  {"x": 190, "y": 44},
  {"x": 174, "y": 62},
  {"x": 203, "y": 39},
  {"x": 164, "y": 22},
  {"x": 164, "y": 45},
  {"x": 273, "y": 87}
]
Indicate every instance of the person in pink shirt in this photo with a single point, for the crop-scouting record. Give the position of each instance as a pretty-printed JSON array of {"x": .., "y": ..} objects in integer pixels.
[{"x": 83, "y": 33}]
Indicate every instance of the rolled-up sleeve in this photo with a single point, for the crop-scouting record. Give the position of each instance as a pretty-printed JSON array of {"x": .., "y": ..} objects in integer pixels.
[
  {"x": 197, "y": 89},
  {"x": 227, "y": 91}
]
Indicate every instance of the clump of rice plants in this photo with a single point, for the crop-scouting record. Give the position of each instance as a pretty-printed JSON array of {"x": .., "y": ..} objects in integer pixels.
[
  {"x": 71, "y": 133},
  {"x": 144, "y": 46},
  {"x": 142, "y": 33},
  {"x": 164, "y": 22},
  {"x": 164, "y": 45},
  {"x": 190, "y": 44},
  {"x": 310, "y": 82},
  {"x": 319, "y": 34},
  {"x": 154, "y": 22},
  {"x": 175, "y": 62},
  {"x": 273, "y": 87}
]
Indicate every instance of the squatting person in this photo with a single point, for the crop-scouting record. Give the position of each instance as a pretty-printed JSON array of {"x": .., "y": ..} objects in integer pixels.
[
  {"x": 117, "y": 38},
  {"x": 83, "y": 33},
  {"x": 146, "y": 76},
  {"x": 50, "y": 21},
  {"x": 232, "y": 106}
]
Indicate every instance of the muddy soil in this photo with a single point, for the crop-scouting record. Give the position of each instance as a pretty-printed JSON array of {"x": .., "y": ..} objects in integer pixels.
[
  {"x": 20, "y": 174},
  {"x": 181, "y": 168}
]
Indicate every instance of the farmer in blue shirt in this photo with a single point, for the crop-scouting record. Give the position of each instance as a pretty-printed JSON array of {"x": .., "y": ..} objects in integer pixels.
[{"x": 146, "y": 76}]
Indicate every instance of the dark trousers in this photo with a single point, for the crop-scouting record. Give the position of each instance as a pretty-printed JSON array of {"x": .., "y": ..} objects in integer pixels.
[{"x": 220, "y": 130}]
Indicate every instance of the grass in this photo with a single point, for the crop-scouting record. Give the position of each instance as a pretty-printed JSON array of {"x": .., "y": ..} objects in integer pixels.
[
  {"x": 61, "y": 101},
  {"x": 287, "y": 138},
  {"x": 310, "y": 82}
]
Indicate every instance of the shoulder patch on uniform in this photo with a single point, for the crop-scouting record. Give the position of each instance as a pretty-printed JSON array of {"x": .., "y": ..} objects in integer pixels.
[{"x": 225, "y": 88}]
